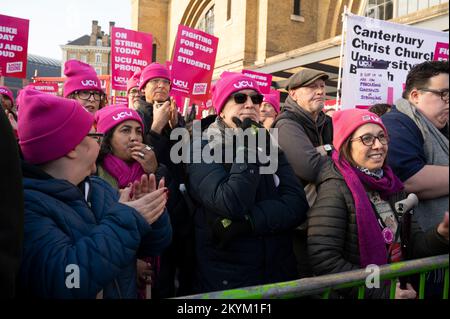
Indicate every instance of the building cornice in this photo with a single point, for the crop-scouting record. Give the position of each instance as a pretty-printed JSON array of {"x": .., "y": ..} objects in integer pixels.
[{"x": 86, "y": 48}]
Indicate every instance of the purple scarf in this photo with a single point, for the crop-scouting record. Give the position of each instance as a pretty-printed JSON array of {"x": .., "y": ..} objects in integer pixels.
[
  {"x": 372, "y": 248},
  {"x": 123, "y": 172}
]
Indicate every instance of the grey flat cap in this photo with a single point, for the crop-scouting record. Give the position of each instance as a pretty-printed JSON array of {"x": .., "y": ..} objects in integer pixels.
[{"x": 305, "y": 77}]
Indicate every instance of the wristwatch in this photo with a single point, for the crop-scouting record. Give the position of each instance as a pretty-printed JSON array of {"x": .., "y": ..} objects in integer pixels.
[{"x": 328, "y": 148}]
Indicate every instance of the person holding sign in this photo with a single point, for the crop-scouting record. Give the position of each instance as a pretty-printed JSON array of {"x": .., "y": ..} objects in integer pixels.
[
  {"x": 269, "y": 110},
  {"x": 83, "y": 85},
  {"x": 244, "y": 216},
  {"x": 354, "y": 222},
  {"x": 160, "y": 116}
]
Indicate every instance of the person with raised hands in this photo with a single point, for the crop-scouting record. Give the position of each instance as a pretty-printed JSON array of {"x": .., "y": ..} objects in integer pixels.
[
  {"x": 123, "y": 161},
  {"x": 80, "y": 240}
]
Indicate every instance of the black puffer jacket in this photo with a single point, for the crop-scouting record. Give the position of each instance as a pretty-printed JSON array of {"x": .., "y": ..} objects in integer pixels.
[
  {"x": 264, "y": 254},
  {"x": 333, "y": 232}
]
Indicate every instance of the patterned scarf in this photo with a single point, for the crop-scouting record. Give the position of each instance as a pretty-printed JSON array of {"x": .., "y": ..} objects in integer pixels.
[{"x": 372, "y": 248}]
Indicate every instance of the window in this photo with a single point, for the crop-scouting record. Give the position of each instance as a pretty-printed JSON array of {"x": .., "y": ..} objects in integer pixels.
[
  {"x": 229, "y": 10},
  {"x": 389, "y": 9},
  {"x": 154, "y": 52},
  {"x": 98, "y": 58},
  {"x": 72, "y": 56},
  {"x": 99, "y": 42},
  {"x": 209, "y": 21},
  {"x": 83, "y": 58},
  {"x": 98, "y": 71},
  {"x": 206, "y": 23},
  {"x": 296, "y": 7},
  {"x": 380, "y": 9}
]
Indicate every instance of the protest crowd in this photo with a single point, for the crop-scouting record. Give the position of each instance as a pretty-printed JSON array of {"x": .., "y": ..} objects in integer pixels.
[{"x": 96, "y": 202}]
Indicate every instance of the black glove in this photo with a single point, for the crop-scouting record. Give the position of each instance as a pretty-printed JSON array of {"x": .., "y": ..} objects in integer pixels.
[
  {"x": 225, "y": 230},
  {"x": 247, "y": 123},
  {"x": 256, "y": 127}
]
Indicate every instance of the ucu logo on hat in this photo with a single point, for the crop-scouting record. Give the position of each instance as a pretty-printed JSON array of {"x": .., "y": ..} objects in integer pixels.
[
  {"x": 371, "y": 118},
  {"x": 121, "y": 115},
  {"x": 243, "y": 84},
  {"x": 89, "y": 83},
  {"x": 3, "y": 91}
]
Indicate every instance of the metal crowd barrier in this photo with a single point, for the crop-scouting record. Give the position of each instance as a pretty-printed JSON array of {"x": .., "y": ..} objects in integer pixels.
[{"x": 324, "y": 285}]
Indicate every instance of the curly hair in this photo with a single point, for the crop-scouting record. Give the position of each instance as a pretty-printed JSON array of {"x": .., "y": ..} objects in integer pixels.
[{"x": 420, "y": 74}]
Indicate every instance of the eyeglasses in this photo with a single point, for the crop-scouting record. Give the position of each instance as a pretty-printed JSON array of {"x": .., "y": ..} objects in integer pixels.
[
  {"x": 369, "y": 139},
  {"x": 442, "y": 93},
  {"x": 97, "y": 136},
  {"x": 86, "y": 95},
  {"x": 241, "y": 98},
  {"x": 157, "y": 81}
]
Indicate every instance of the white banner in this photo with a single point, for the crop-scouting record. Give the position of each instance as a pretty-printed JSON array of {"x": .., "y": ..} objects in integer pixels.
[{"x": 400, "y": 45}]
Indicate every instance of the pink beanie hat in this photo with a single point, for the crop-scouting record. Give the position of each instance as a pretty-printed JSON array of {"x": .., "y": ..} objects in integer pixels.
[
  {"x": 345, "y": 122},
  {"x": 151, "y": 71},
  {"x": 49, "y": 126},
  {"x": 112, "y": 115},
  {"x": 80, "y": 76},
  {"x": 273, "y": 100},
  {"x": 5, "y": 91},
  {"x": 134, "y": 80},
  {"x": 229, "y": 83}
]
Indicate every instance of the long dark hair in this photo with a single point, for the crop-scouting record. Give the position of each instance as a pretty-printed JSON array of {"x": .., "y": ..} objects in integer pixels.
[{"x": 105, "y": 147}]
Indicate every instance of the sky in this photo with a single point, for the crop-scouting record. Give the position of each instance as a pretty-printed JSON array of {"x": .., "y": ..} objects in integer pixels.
[{"x": 56, "y": 22}]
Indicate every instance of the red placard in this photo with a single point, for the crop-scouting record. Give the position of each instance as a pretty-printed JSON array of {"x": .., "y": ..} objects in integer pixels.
[
  {"x": 441, "y": 51},
  {"x": 193, "y": 63},
  {"x": 264, "y": 80},
  {"x": 13, "y": 46},
  {"x": 131, "y": 50}
]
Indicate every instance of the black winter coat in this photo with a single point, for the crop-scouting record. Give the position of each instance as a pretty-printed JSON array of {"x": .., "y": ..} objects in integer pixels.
[
  {"x": 264, "y": 255},
  {"x": 333, "y": 232}
]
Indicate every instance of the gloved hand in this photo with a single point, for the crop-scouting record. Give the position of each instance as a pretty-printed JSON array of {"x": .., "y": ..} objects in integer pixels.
[
  {"x": 247, "y": 123},
  {"x": 225, "y": 230},
  {"x": 250, "y": 152}
]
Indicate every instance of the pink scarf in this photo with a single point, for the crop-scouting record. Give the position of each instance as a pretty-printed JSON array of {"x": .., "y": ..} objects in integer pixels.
[
  {"x": 372, "y": 248},
  {"x": 123, "y": 172},
  {"x": 126, "y": 173}
]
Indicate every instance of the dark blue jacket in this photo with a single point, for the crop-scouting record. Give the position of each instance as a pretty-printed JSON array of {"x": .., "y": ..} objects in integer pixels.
[
  {"x": 99, "y": 236},
  {"x": 265, "y": 255}
]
